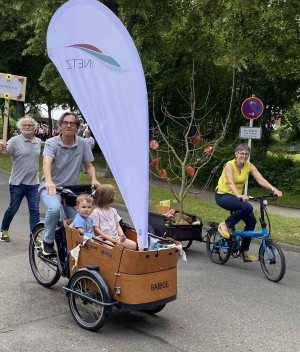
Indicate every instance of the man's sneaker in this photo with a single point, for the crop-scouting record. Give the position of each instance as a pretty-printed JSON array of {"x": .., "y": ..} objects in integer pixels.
[
  {"x": 48, "y": 248},
  {"x": 4, "y": 236}
]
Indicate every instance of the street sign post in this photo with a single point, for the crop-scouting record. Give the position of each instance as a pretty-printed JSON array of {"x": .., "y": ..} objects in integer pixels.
[{"x": 252, "y": 109}]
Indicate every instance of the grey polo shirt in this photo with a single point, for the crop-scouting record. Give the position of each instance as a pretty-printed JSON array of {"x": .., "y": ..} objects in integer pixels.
[
  {"x": 25, "y": 156},
  {"x": 66, "y": 163}
]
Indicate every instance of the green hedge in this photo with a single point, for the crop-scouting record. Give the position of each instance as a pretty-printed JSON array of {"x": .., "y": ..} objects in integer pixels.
[{"x": 281, "y": 171}]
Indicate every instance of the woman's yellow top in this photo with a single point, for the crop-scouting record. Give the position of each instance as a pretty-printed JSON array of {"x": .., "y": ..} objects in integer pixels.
[{"x": 239, "y": 178}]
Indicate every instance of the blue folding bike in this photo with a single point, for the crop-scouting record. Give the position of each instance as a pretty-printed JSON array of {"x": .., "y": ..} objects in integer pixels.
[{"x": 271, "y": 257}]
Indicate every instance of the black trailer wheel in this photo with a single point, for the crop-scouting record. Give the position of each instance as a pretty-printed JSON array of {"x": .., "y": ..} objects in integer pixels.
[
  {"x": 151, "y": 230},
  {"x": 84, "y": 307},
  {"x": 44, "y": 269},
  {"x": 217, "y": 247},
  {"x": 154, "y": 310},
  {"x": 272, "y": 261},
  {"x": 186, "y": 244}
]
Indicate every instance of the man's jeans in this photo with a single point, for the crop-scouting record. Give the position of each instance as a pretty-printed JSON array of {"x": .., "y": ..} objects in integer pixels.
[
  {"x": 53, "y": 204},
  {"x": 17, "y": 193}
]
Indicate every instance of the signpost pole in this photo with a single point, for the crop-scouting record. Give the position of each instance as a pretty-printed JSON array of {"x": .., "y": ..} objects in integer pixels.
[
  {"x": 249, "y": 145},
  {"x": 252, "y": 108},
  {"x": 5, "y": 121}
]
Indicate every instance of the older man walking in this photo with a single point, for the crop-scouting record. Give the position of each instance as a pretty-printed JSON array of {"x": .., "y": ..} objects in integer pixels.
[{"x": 25, "y": 151}]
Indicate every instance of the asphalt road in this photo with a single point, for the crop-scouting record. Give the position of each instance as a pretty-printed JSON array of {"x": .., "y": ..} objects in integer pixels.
[{"x": 219, "y": 308}]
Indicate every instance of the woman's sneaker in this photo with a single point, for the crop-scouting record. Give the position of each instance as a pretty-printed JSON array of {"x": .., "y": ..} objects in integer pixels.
[
  {"x": 48, "y": 248},
  {"x": 4, "y": 237}
]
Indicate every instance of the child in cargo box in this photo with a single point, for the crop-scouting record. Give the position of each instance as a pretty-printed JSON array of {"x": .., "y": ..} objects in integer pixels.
[
  {"x": 106, "y": 219},
  {"x": 83, "y": 221}
]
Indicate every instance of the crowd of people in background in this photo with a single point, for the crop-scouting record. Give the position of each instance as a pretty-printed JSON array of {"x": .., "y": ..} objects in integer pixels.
[{"x": 41, "y": 131}]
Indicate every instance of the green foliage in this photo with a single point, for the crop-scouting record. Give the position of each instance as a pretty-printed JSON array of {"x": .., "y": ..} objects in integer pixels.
[
  {"x": 259, "y": 39},
  {"x": 290, "y": 129},
  {"x": 12, "y": 124},
  {"x": 281, "y": 171}
]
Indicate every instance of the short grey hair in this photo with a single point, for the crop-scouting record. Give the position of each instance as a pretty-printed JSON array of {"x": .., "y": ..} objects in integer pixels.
[
  {"x": 27, "y": 117},
  {"x": 61, "y": 119},
  {"x": 242, "y": 147}
]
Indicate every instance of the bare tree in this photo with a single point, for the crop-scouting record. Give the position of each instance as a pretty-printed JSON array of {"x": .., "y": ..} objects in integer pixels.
[{"x": 183, "y": 145}]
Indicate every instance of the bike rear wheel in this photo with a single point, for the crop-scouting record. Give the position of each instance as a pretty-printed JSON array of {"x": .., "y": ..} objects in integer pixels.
[
  {"x": 44, "y": 269},
  {"x": 87, "y": 313},
  {"x": 272, "y": 261},
  {"x": 217, "y": 247}
]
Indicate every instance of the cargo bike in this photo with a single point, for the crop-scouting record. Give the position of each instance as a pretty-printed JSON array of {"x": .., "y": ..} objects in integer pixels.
[{"x": 105, "y": 276}]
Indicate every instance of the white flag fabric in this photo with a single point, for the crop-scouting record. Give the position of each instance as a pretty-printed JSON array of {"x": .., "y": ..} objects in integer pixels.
[
  {"x": 100, "y": 65},
  {"x": 86, "y": 236}
]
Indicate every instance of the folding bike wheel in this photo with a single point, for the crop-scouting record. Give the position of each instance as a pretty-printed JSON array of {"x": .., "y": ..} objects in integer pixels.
[
  {"x": 217, "y": 247},
  {"x": 272, "y": 261},
  {"x": 44, "y": 269}
]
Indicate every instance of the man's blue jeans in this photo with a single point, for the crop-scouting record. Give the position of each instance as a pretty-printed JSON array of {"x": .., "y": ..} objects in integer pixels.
[
  {"x": 240, "y": 211},
  {"x": 17, "y": 193},
  {"x": 53, "y": 205}
]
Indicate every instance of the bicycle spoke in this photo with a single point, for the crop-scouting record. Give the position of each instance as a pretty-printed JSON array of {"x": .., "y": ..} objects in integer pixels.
[{"x": 272, "y": 261}]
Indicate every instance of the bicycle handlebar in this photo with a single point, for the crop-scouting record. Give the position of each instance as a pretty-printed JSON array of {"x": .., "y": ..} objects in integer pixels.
[
  {"x": 76, "y": 190},
  {"x": 70, "y": 193},
  {"x": 262, "y": 197}
]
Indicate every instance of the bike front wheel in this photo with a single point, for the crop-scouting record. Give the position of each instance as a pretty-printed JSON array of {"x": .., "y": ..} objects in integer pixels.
[
  {"x": 272, "y": 261},
  {"x": 44, "y": 269},
  {"x": 83, "y": 302},
  {"x": 217, "y": 247}
]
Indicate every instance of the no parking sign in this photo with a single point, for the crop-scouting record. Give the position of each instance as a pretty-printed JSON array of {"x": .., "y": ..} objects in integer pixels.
[{"x": 252, "y": 108}]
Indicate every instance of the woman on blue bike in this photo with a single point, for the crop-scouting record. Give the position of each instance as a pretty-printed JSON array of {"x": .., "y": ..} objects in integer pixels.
[{"x": 229, "y": 195}]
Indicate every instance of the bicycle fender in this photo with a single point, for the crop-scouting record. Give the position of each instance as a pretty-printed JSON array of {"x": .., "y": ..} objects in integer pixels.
[
  {"x": 39, "y": 224},
  {"x": 99, "y": 278}
]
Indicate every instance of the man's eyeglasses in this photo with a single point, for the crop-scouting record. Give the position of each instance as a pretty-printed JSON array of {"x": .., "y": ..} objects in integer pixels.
[
  {"x": 27, "y": 125},
  {"x": 66, "y": 123}
]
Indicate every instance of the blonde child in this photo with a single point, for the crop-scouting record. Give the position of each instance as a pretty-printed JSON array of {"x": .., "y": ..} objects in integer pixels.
[
  {"x": 106, "y": 219},
  {"x": 83, "y": 221}
]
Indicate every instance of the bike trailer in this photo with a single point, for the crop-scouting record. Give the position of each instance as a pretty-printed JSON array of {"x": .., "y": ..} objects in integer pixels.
[{"x": 164, "y": 227}]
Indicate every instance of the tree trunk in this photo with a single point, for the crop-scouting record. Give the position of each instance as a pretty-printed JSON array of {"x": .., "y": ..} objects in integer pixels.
[{"x": 20, "y": 109}]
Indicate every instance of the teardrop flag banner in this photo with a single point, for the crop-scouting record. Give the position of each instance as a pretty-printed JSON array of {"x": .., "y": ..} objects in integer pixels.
[{"x": 100, "y": 65}]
